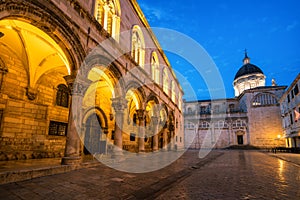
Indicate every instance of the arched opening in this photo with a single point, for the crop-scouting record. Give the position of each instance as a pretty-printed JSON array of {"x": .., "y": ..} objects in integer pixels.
[
  {"x": 35, "y": 66},
  {"x": 134, "y": 119},
  {"x": 173, "y": 93},
  {"x": 92, "y": 136},
  {"x": 35, "y": 49},
  {"x": 152, "y": 129},
  {"x": 264, "y": 99},
  {"x": 240, "y": 137},
  {"x": 155, "y": 67},
  {"x": 108, "y": 13},
  {"x": 166, "y": 81},
  {"x": 99, "y": 94},
  {"x": 138, "y": 46},
  {"x": 163, "y": 127}
]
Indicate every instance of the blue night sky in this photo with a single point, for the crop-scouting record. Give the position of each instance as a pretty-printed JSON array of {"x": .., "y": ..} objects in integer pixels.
[{"x": 269, "y": 30}]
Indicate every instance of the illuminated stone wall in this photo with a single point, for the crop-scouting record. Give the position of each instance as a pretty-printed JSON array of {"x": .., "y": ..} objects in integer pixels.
[
  {"x": 264, "y": 120},
  {"x": 25, "y": 123},
  {"x": 57, "y": 36}
]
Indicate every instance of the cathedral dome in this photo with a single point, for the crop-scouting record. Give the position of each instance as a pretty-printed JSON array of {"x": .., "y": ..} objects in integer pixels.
[
  {"x": 249, "y": 76},
  {"x": 247, "y": 69}
]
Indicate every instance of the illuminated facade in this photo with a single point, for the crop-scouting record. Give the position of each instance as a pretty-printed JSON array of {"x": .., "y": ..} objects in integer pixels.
[
  {"x": 249, "y": 76},
  {"x": 44, "y": 46},
  {"x": 290, "y": 107},
  {"x": 251, "y": 118}
]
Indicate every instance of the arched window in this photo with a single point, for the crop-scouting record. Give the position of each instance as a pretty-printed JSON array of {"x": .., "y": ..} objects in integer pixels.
[
  {"x": 155, "y": 67},
  {"x": 62, "y": 96},
  {"x": 107, "y": 13},
  {"x": 179, "y": 102},
  {"x": 264, "y": 99},
  {"x": 165, "y": 80},
  {"x": 138, "y": 45},
  {"x": 173, "y": 91}
]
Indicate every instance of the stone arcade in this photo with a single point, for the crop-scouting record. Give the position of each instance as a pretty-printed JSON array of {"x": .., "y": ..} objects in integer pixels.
[{"x": 44, "y": 46}]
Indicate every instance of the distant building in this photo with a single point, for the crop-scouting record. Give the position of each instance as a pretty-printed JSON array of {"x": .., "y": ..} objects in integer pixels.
[
  {"x": 250, "y": 118},
  {"x": 290, "y": 109}
]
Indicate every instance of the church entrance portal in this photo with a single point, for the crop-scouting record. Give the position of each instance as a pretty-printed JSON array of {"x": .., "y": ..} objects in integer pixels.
[{"x": 240, "y": 139}]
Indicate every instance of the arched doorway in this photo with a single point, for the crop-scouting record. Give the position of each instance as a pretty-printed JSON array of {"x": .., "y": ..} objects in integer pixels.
[
  {"x": 94, "y": 141},
  {"x": 240, "y": 137},
  {"x": 99, "y": 117}
]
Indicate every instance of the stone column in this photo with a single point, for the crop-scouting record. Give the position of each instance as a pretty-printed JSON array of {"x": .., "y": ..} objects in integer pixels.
[
  {"x": 172, "y": 133},
  {"x": 119, "y": 104},
  {"x": 165, "y": 137},
  {"x": 117, "y": 28},
  {"x": 105, "y": 16},
  {"x": 141, "y": 129},
  {"x": 73, "y": 151},
  {"x": 155, "y": 122}
]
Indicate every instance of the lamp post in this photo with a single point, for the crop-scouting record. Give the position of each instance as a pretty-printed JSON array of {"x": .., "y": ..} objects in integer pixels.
[{"x": 278, "y": 139}]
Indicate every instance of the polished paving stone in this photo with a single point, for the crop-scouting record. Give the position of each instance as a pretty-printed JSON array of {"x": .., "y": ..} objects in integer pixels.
[{"x": 228, "y": 174}]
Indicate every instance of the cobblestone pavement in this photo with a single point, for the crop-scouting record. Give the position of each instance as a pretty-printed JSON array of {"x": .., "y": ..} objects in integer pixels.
[
  {"x": 220, "y": 175},
  {"x": 241, "y": 175}
]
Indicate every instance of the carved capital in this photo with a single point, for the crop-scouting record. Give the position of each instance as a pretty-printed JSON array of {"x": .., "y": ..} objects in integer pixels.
[
  {"x": 140, "y": 114},
  {"x": 155, "y": 120},
  {"x": 76, "y": 85},
  {"x": 119, "y": 104}
]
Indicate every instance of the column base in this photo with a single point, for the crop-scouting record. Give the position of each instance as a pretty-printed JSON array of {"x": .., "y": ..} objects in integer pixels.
[
  {"x": 117, "y": 153},
  {"x": 71, "y": 160},
  {"x": 141, "y": 153}
]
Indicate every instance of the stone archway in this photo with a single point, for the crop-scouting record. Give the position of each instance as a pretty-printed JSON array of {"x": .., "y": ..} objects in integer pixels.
[
  {"x": 95, "y": 141},
  {"x": 36, "y": 64},
  {"x": 93, "y": 132},
  {"x": 34, "y": 13}
]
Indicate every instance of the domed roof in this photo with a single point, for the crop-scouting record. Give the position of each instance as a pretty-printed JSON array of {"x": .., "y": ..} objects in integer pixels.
[{"x": 247, "y": 68}]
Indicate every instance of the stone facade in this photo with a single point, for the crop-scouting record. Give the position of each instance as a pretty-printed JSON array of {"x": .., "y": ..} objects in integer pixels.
[
  {"x": 215, "y": 123},
  {"x": 290, "y": 107},
  {"x": 252, "y": 118},
  {"x": 63, "y": 94}
]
